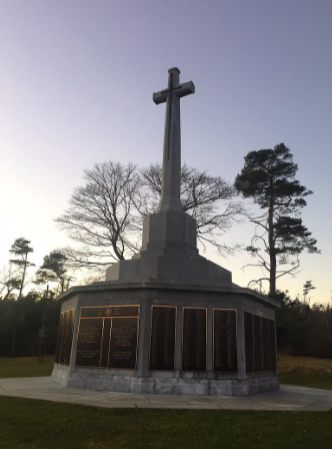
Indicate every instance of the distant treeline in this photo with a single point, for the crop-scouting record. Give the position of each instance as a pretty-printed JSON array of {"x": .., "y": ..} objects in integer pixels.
[
  {"x": 28, "y": 326},
  {"x": 303, "y": 330}
]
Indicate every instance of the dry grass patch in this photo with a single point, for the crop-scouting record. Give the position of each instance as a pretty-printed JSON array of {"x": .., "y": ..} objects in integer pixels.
[
  {"x": 287, "y": 363},
  {"x": 25, "y": 367},
  {"x": 305, "y": 371}
]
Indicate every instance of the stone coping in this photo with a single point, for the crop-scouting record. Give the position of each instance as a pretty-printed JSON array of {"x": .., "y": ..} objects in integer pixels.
[{"x": 156, "y": 285}]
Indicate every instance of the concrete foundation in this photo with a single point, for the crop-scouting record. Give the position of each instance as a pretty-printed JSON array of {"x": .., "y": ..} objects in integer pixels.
[{"x": 159, "y": 385}]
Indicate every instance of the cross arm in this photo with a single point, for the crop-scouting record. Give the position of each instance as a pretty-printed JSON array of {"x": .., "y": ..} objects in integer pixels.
[
  {"x": 185, "y": 89},
  {"x": 181, "y": 91},
  {"x": 160, "y": 97}
]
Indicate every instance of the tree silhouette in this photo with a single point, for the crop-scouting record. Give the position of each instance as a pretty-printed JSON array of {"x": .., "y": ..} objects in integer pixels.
[
  {"x": 105, "y": 215},
  {"x": 21, "y": 248},
  {"x": 268, "y": 177},
  {"x": 54, "y": 270}
]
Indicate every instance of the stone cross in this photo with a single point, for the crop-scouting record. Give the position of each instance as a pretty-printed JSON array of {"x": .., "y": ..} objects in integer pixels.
[{"x": 171, "y": 177}]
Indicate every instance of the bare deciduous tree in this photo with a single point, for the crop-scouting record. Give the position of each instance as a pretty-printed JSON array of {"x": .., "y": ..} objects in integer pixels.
[
  {"x": 105, "y": 216},
  {"x": 100, "y": 215},
  {"x": 209, "y": 199},
  {"x": 10, "y": 280}
]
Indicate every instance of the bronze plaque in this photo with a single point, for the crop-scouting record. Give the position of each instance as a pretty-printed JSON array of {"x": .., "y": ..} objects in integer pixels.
[
  {"x": 65, "y": 337},
  {"x": 64, "y": 345},
  {"x": 273, "y": 349},
  {"x": 89, "y": 343},
  {"x": 69, "y": 335},
  {"x": 96, "y": 348},
  {"x": 265, "y": 345},
  {"x": 59, "y": 339},
  {"x": 123, "y": 346},
  {"x": 109, "y": 311},
  {"x": 162, "y": 342},
  {"x": 249, "y": 342},
  {"x": 258, "y": 344},
  {"x": 105, "y": 343},
  {"x": 224, "y": 341},
  {"x": 194, "y": 339}
]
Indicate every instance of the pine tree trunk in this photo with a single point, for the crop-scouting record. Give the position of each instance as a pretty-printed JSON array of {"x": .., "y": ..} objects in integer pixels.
[
  {"x": 23, "y": 277},
  {"x": 273, "y": 268},
  {"x": 273, "y": 259}
]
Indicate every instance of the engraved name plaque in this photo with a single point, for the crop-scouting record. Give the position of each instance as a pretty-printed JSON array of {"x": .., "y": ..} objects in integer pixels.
[
  {"x": 89, "y": 343},
  {"x": 123, "y": 347},
  {"x": 224, "y": 341},
  {"x": 65, "y": 337},
  {"x": 162, "y": 339},
  {"x": 105, "y": 343},
  {"x": 272, "y": 342},
  {"x": 194, "y": 339},
  {"x": 107, "y": 337},
  {"x": 260, "y": 343},
  {"x": 265, "y": 344},
  {"x": 249, "y": 342}
]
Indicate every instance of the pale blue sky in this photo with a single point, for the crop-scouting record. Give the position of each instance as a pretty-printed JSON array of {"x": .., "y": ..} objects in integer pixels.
[{"x": 76, "y": 84}]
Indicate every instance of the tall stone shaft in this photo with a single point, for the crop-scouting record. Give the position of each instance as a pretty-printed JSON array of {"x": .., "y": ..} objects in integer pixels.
[{"x": 171, "y": 175}]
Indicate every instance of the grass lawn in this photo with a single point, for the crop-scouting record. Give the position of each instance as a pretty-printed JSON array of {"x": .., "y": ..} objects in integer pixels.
[
  {"x": 25, "y": 367},
  {"x": 305, "y": 372},
  {"x": 32, "y": 424}
]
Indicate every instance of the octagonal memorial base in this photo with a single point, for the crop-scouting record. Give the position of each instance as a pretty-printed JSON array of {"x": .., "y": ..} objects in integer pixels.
[{"x": 156, "y": 338}]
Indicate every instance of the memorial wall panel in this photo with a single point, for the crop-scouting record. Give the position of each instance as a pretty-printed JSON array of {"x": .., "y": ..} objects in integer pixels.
[
  {"x": 162, "y": 338},
  {"x": 59, "y": 340},
  {"x": 105, "y": 343},
  {"x": 69, "y": 335},
  {"x": 194, "y": 339},
  {"x": 65, "y": 337},
  {"x": 273, "y": 349},
  {"x": 258, "y": 344},
  {"x": 266, "y": 345},
  {"x": 89, "y": 342},
  {"x": 249, "y": 342},
  {"x": 224, "y": 341},
  {"x": 123, "y": 346},
  {"x": 107, "y": 337}
]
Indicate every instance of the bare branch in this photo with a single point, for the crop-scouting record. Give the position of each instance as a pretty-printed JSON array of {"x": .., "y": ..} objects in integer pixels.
[{"x": 105, "y": 216}]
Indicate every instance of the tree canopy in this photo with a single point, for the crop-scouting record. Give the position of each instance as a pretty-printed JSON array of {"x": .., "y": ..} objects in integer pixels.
[
  {"x": 21, "y": 248},
  {"x": 54, "y": 270},
  {"x": 268, "y": 177},
  {"x": 10, "y": 280}
]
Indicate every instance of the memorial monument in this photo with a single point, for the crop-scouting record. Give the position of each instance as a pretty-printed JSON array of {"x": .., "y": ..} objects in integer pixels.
[{"x": 167, "y": 321}]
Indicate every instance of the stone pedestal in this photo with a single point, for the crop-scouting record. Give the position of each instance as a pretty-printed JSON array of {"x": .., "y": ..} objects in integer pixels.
[{"x": 169, "y": 253}]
